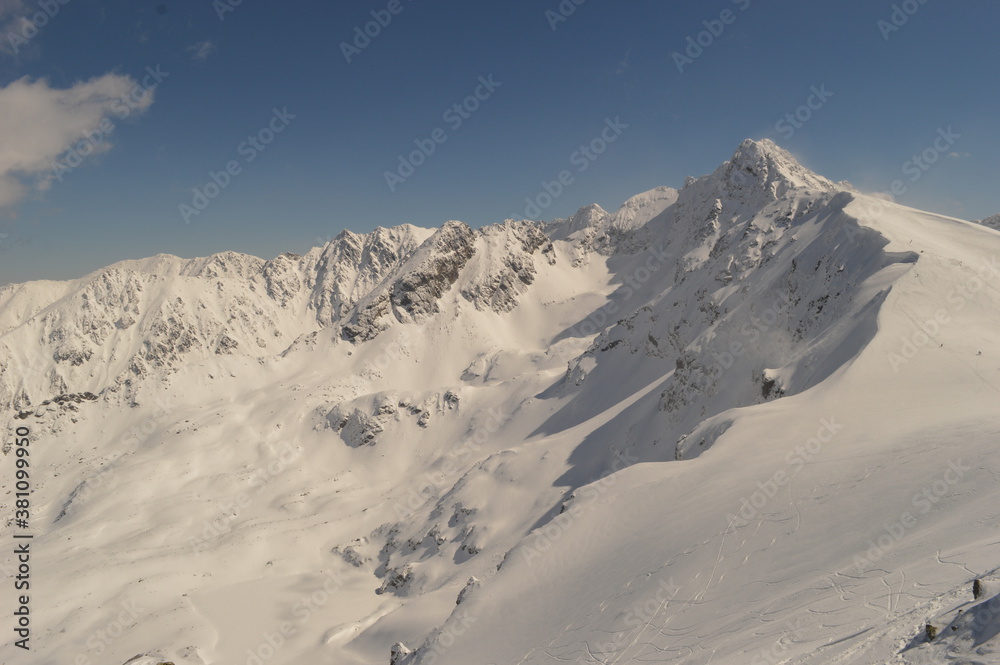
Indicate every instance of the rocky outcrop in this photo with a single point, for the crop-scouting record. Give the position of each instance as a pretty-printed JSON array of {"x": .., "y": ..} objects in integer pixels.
[
  {"x": 992, "y": 222},
  {"x": 510, "y": 251},
  {"x": 413, "y": 295}
]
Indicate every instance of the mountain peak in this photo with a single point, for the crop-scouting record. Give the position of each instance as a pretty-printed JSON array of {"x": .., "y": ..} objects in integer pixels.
[
  {"x": 758, "y": 173},
  {"x": 590, "y": 218},
  {"x": 769, "y": 165},
  {"x": 763, "y": 147}
]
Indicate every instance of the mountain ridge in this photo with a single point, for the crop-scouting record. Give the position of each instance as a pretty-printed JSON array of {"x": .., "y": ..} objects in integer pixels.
[{"x": 458, "y": 425}]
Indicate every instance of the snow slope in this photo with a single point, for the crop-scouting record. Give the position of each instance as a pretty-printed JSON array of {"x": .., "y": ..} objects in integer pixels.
[{"x": 752, "y": 420}]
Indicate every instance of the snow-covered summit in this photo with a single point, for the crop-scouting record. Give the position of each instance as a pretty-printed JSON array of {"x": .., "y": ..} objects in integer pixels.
[
  {"x": 759, "y": 173},
  {"x": 771, "y": 167}
]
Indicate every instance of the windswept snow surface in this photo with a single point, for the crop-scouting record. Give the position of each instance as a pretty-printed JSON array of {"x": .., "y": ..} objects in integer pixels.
[{"x": 753, "y": 420}]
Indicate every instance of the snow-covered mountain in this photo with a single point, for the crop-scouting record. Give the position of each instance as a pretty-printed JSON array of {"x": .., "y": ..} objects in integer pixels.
[
  {"x": 992, "y": 222},
  {"x": 753, "y": 420}
]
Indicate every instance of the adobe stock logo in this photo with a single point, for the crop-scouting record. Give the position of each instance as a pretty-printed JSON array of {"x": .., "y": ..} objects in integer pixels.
[
  {"x": 900, "y": 16},
  {"x": 582, "y": 158},
  {"x": 566, "y": 9},
  {"x": 363, "y": 35},
  {"x": 454, "y": 116},
  {"x": 893, "y": 531},
  {"x": 795, "y": 461},
  {"x": 30, "y": 26},
  {"x": 96, "y": 139},
  {"x": 796, "y": 120},
  {"x": 697, "y": 44},
  {"x": 925, "y": 333},
  {"x": 254, "y": 145}
]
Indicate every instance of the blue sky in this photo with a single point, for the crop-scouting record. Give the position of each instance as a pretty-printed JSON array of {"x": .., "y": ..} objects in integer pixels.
[{"x": 552, "y": 87}]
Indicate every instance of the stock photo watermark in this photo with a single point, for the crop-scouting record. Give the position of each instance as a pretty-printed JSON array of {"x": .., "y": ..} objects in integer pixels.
[
  {"x": 364, "y": 34},
  {"x": 632, "y": 283},
  {"x": 457, "y": 626},
  {"x": 454, "y": 116},
  {"x": 926, "y": 331},
  {"x": 562, "y": 13},
  {"x": 230, "y": 511},
  {"x": 817, "y": 99},
  {"x": 894, "y": 531},
  {"x": 876, "y": 206},
  {"x": 775, "y": 653},
  {"x": 795, "y": 461},
  {"x": 32, "y": 25},
  {"x": 101, "y": 639},
  {"x": 249, "y": 149},
  {"x": 698, "y": 43},
  {"x": 581, "y": 158},
  {"x": 637, "y": 618},
  {"x": 921, "y": 163},
  {"x": 900, "y": 16},
  {"x": 96, "y": 140},
  {"x": 444, "y": 477},
  {"x": 543, "y": 538},
  {"x": 302, "y": 611},
  {"x": 759, "y": 325}
]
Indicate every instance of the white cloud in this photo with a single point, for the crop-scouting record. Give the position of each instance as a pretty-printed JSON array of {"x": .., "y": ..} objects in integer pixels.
[
  {"x": 42, "y": 123},
  {"x": 201, "y": 50}
]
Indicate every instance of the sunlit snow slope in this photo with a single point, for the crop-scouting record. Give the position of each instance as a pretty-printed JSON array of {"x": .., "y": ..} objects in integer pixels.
[{"x": 753, "y": 420}]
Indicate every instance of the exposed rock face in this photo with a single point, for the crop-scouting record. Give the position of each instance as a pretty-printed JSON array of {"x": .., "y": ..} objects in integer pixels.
[
  {"x": 353, "y": 264},
  {"x": 398, "y": 654},
  {"x": 510, "y": 253},
  {"x": 417, "y": 292},
  {"x": 413, "y": 294},
  {"x": 361, "y": 422},
  {"x": 497, "y": 265},
  {"x": 992, "y": 222},
  {"x": 138, "y": 317}
]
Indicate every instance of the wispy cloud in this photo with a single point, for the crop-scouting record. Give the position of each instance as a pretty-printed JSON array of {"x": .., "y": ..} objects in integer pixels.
[
  {"x": 13, "y": 18},
  {"x": 41, "y": 123},
  {"x": 623, "y": 63},
  {"x": 201, "y": 50},
  {"x": 15, "y": 7}
]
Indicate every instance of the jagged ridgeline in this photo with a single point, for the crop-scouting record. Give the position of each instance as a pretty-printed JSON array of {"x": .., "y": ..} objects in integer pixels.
[{"x": 701, "y": 428}]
